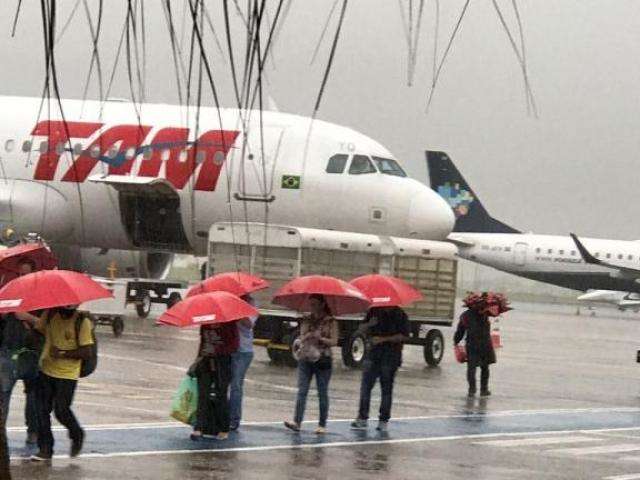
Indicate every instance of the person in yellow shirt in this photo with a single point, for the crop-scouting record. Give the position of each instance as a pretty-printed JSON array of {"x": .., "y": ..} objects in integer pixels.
[{"x": 60, "y": 364}]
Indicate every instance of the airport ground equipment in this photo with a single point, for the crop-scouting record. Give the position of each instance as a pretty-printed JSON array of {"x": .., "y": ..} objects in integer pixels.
[
  {"x": 280, "y": 253},
  {"x": 141, "y": 293},
  {"x": 144, "y": 292}
]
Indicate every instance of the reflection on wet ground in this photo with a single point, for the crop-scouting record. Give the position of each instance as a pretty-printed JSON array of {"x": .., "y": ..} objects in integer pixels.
[{"x": 565, "y": 405}]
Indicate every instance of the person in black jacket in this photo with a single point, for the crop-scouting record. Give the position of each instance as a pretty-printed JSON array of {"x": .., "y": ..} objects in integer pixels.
[{"x": 475, "y": 325}]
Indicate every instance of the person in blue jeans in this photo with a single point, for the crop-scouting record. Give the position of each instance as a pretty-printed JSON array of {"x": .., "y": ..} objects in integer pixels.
[
  {"x": 240, "y": 362},
  {"x": 387, "y": 329},
  {"x": 318, "y": 333},
  {"x": 17, "y": 335}
]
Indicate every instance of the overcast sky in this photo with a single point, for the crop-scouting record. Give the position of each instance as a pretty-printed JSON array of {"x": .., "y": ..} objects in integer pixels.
[{"x": 573, "y": 168}]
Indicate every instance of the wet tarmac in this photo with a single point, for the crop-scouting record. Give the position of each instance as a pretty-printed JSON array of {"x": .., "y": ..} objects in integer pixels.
[{"x": 565, "y": 404}]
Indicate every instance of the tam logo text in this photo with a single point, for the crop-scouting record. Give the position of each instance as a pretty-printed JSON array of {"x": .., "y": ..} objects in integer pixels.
[{"x": 120, "y": 145}]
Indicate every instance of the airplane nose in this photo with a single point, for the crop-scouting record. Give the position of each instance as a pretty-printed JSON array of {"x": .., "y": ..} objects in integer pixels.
[{"x": 430, "y": 217}]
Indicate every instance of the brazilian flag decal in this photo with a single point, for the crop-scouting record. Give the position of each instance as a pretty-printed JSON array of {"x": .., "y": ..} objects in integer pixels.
[{"x": 291, "y": 182}]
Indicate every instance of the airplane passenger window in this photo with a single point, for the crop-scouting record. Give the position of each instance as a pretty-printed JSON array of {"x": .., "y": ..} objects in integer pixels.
[
  {"x": 337, "y": 163},
  {"x": 597, "y": 255},
  {"x": 218, "y": 158},
  {"x": 44, "y": 146},
  {"x": 507, "y": 249},
  {"x": 630, "y": 257},
  {"x": 561, "y": 252},
  {"x": 165, "y": 155},
  {"x": 608, "y": 255},
  {"x": 131, "y": 152},
  {"x": 620, "y": 256},
  {"x": 60, "y": 148},
  {"x": 26, "y": 146},
  {"x": 146, "y": 153},
  {"x": 389, "y": 167},
  {"x": 550, "y": 250},
  {"x": 9, "y": 144},
  {"x": 183, "y": 156},
  {"x": 95, "y": 151},
  {"x": 537, "y": 250},
  {"x": 201, "y": 156},
  {"x": 77, "y": 149},
  {"x": 361, "y": 164},
  {"x": 573, "y": 253}
]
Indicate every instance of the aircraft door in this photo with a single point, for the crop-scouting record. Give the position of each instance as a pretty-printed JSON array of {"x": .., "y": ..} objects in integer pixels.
[
  {"x": 257, "y": 164},
  {"x": 520, "y": 254}
]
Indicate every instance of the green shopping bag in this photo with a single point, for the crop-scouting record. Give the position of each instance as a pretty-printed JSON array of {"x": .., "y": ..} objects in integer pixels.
[{"x": 185, "y": 401}]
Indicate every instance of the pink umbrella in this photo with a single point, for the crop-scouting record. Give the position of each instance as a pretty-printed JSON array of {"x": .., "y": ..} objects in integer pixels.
[
  {"x": 386, "y": 291},
  {"x": 238, "y": 283},
  {"x": 206, "y": 309},
  {"x": 49, "y": 289},
  {"x": 342, "y": 298}
]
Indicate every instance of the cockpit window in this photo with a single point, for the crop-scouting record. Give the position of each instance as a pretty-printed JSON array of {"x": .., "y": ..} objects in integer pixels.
[
  {"x": 361, "y": 164},
  {"x": 389, "y": 167},
  {"x": 337, "y": 163}
]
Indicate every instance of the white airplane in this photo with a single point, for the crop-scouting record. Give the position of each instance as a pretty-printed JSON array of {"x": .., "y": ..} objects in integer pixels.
[
  {"x": 566, "y": 261},
  {"x": 621, "y": 300},
  {"x": 109, "y": 180}
]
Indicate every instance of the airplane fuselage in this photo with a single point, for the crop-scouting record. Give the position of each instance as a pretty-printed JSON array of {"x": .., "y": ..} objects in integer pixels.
[
  {"x": 157, "y": 178},
  {"x": 553, "y": 259}
]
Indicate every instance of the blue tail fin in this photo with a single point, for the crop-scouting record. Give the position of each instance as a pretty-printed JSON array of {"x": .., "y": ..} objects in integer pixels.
[{"x": 471, "y": 215}]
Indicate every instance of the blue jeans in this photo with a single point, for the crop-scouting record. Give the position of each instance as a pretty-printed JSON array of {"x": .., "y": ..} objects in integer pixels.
[
  {"x": 7, "y": 383},
  {"x": 306, "y": 370},
  {"x": 240, "y": 362},
  {"x": 386, "y": 372}
]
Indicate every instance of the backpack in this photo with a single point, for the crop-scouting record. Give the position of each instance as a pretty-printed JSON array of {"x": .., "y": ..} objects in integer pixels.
[{"x": 89, "y": 365}]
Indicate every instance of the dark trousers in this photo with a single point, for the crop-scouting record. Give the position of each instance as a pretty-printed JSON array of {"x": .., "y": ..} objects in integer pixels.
[
  {"x": 372, "y": 371},
  {"x": 4, "y": 449},
  {"x": 484, "y": 376},
  {"x": 214, "y": 375},
  {"x": 56, "y": 395},
  {"x": 306, "y": 371},
  {"x": 31, "y": 406}
]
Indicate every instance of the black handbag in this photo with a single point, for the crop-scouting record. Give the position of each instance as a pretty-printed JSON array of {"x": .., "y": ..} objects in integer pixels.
[{"x": 25, "y": 364}]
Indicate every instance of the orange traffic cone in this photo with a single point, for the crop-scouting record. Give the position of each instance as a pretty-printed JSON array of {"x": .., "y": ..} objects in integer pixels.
[{"x": 496, "y": 341}]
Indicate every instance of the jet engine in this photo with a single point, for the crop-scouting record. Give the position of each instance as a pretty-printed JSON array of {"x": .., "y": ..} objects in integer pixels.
[{"x": 114, "y": 263}]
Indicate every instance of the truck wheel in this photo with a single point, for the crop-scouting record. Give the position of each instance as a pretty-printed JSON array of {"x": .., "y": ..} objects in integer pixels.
[
  {"x": 354, "y": 350},
  {"x": 289, "y": 357},
  {"x": 433, "y": 347},
  {"x": 174, "y": 298},
  {"x": 143, "y": 305},
  {"x": 117, "y": 325}
]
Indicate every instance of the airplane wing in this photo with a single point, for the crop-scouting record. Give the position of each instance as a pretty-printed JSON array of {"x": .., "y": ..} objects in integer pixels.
[
  {"x": 621, "y": 270},
  {"x": 460, "y": 241}
]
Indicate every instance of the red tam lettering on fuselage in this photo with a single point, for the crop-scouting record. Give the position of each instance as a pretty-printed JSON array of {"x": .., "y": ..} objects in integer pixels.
[
  {"x": 209, "y": 152},
  {"x": 58, "y": 133},
  {"x": 214, "y": 145},
  {"x": 129, "y": 136},
  {"x": 173, "y": 140}
]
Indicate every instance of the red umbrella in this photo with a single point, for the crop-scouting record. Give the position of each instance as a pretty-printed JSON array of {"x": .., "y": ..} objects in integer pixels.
[
  {"x": 386, "y": 291},
  {"x": 207, "y": 308},
  {"x": 49, "y": 289},
  {"x": 36, "y": 253},
  {"x": 341, "y": 297},
  {"x": 238, "y": 283}
]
